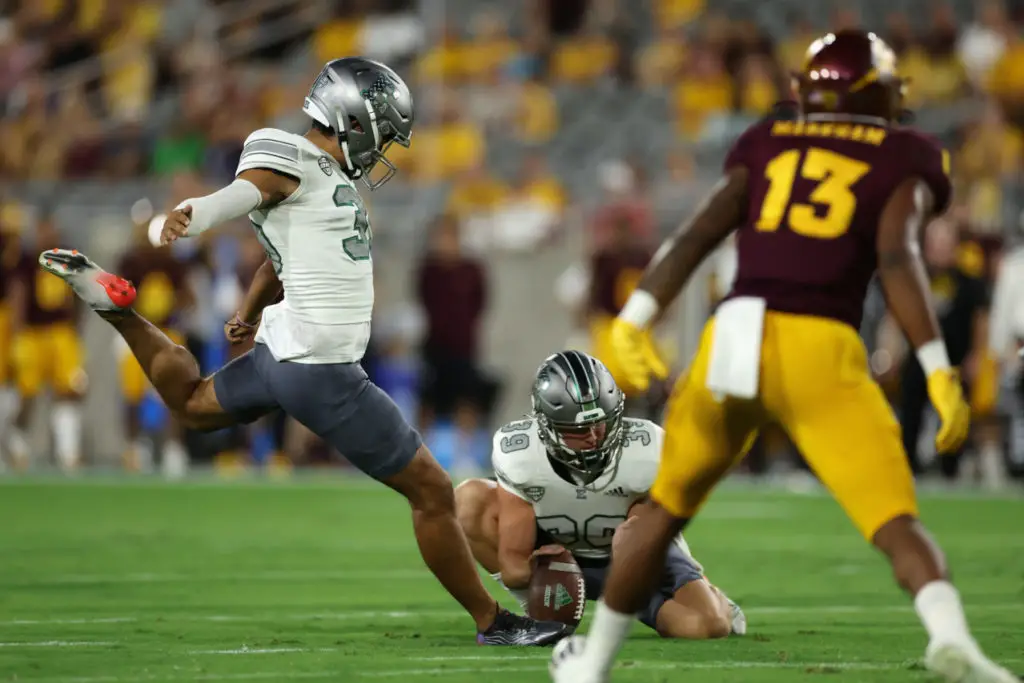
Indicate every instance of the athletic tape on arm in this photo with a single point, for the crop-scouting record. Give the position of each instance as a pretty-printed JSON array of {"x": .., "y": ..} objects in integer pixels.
[{"x": 233, "y": 201}]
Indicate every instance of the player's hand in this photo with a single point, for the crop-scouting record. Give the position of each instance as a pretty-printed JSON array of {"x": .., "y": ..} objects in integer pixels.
[
  {"x": 549, "y": 550},
  {"x": 621, "y": 535},
  {"x": 636, "y": 354},
  {"x": 947, "y": 397},
  {"x": 176, "y": 224},
  {"x": 237, "y": 330}
]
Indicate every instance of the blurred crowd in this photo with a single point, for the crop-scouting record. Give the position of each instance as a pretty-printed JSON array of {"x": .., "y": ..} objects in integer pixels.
[{"x": 117, "y": 90}]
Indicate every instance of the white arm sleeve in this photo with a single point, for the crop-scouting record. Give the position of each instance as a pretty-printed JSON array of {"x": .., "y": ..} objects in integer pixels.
[{"x": 237, "y": 199}]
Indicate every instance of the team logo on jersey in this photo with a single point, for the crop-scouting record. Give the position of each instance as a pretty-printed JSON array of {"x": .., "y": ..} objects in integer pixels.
[
  {"x": 581, "y": 493},
  {"x": 534, "y": 493},
  {"x": 325, "y": 165},
  {"x": 618, "y": 492}
]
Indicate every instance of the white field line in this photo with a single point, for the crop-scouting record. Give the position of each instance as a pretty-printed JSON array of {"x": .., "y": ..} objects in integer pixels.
[
  {"x": 419, "y": 614},
  {"x": 284, "y": 576},
  {"x": 59, "y": 643},
  {"x": 448, "y": 671}
]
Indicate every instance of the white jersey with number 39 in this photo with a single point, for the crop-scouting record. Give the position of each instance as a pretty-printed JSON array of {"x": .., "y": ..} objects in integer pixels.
[
  {"x": 579, "y": 518},
  {"x": 318, "y": 240}
]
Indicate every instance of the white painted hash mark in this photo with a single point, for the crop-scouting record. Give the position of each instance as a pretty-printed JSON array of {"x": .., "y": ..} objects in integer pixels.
[{"x": 59, "y": 643}]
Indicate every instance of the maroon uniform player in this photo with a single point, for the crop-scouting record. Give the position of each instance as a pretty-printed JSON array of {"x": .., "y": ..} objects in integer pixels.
[
  {"x": 819, "y": 204},
  {"x": 615, "y": 270}
]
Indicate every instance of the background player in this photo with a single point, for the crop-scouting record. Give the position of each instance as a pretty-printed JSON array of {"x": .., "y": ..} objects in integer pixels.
[
  {"x": 10, "y": 254},
  {"x": 563, "y": 483},
  {"x": 300, "y": 195},
  {"x": 820, "y": 203},
  {"x": 615, "y": 270},
  {"x": 162, "y": 293},
  {"x": 46, "y": 351}
]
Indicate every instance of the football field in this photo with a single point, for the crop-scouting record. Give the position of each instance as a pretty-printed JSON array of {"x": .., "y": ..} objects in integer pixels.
[{"x": 105, "y": 581}]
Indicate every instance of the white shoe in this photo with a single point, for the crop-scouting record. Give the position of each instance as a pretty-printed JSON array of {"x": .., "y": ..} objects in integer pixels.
[
  {"x": 568, "y": 664},
  {"x": 738, "y": 619},
  {"x": 964, "y": 663},
  {"x": 174, "y": 461},
  {"x": 18, "y": 450},
  {"x": 101, "y": 290}
]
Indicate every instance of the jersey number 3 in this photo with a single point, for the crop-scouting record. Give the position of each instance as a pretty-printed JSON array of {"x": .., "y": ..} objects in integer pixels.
[
  {"x": 836, "y": 175},
  {"x": 358, "y": 246}
]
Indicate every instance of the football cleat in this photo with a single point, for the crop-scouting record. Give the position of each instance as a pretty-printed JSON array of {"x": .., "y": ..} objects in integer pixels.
[
  {"x": 568, "y": 663},
  {"x": 964, "y": 663},
  {"x": 737, "y": 619},
  {"x": 512, "y": 629},
  {"x": 101, "y": 290}
]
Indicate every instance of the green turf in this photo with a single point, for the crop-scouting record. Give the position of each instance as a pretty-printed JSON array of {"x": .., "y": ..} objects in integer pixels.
[{"x": 105, "y": 582}]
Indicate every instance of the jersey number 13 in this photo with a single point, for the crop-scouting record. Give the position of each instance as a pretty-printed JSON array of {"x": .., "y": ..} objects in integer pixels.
[{"x": 836, "y": 175}]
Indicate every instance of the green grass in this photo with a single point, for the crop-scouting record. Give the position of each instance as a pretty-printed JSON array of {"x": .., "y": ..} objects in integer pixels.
[{"x": 110, "y": 582}]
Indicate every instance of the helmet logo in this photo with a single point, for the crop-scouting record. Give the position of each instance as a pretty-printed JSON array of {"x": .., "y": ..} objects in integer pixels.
[
  {"x": 588, "y": 415},
  {"x": 383, "y": 84}
]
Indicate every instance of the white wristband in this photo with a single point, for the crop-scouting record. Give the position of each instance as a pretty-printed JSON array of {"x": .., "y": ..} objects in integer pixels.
[
  {"x": 640, "y": 309},
  {"x": 233, "y": 201},
  {"x": 933, "y": 356}
]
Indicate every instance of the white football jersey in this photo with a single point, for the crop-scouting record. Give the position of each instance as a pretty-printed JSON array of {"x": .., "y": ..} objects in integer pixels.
[
  {"x": 576, "y": 517},
  {"x": 319, "y": 242}
]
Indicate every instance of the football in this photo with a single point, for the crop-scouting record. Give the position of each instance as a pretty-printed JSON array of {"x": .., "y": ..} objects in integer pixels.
[{"x": 558, "y": 590}]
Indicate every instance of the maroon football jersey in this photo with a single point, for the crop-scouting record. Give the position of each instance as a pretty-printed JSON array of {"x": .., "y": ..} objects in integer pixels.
[
  {"x": 159, "y": 278},
  {"x": 816, "y": 193},
  {"x": 614, "y": 274},
  {"x": 10, "y": 254},
  {"x": 49, "y": 299}
]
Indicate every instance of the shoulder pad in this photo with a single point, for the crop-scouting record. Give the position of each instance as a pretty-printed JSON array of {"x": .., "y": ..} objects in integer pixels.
[
  {"x": 739, "y": 153},
  {"x": 513, "y": 454},
  {"x": 274, "y": 149},
  {"x": 926, "y": 158}
]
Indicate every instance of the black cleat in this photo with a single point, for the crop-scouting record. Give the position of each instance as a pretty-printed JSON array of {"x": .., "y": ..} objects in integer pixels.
[{"x": 512, "y": 629}]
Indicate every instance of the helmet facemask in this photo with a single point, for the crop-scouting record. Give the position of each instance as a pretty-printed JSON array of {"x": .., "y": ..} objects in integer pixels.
[
  {"x": 363, "y": 150},
  {"x": 361, "y": 164}
]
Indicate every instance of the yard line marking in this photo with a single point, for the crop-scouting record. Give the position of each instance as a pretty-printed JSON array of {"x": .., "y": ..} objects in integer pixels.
[
  {"x": 428, "y": 613},
  {"x": 269, "y": 576},
  {"x": 59, "y": 643},
  {"x": 259, "y": 650},
  {"x": 72, "y": 621},
  {"x": 446, "y": 671}
]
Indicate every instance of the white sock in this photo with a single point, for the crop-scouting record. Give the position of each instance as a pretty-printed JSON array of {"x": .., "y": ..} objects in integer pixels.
[
  {"x": 939, "y": 608},
  {"x": 8, "y": 407},
  {"x": 19, "y": 447},
  {"x": 143, "y": 447},
  {"x": 174, "y": 460},
  {"x": 607, "y": 633},
  {"x": 521, "y": 595},
  {"x": 66, "y": 421},
  {"x": 990, "y": 465}
]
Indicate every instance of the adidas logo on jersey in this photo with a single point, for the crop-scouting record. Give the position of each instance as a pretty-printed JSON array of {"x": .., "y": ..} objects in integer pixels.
[{"x": 617, "y": 492}]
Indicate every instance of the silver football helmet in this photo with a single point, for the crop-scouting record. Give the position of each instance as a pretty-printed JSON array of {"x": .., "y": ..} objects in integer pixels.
[
  {"x": 368, "y": 106},
  {"x": 579, "y": 410}
]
